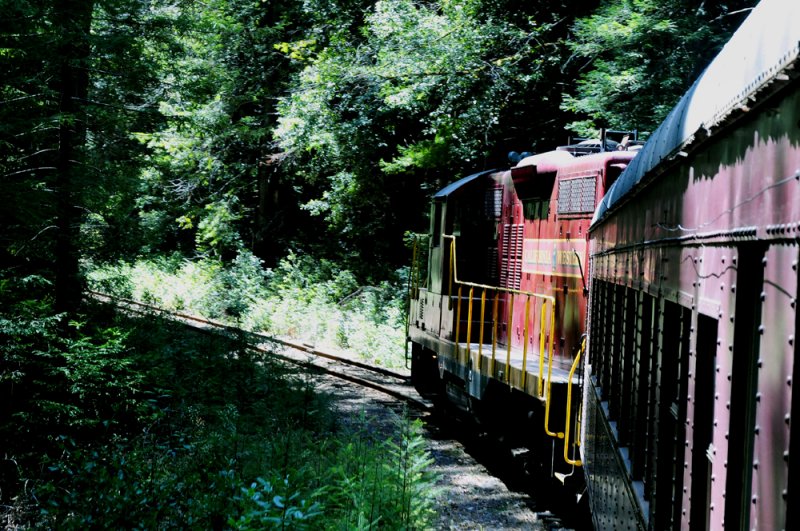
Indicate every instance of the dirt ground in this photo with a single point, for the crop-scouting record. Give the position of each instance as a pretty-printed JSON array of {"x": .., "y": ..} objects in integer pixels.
[{"x": 468, "y": 496}]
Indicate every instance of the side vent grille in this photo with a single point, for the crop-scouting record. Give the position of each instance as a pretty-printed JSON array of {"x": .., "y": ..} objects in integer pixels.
[
  {"x": 493, "y": 202},
  {"x": 504, "y": 263},
  {"x": 517, "y": 247},
  {"x": 511, "y": 267},
  {"x": 576, "y": 195}
]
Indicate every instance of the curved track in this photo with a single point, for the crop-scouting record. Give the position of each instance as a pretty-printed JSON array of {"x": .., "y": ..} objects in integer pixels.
[{"x": 339, "y": 365}]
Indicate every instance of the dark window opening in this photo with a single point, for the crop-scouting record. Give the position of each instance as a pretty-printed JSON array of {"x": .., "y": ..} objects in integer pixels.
[
  {"x": 703, "y": 422},
  {"x": 536, "y": 208},
  {"x": 534, "y": 193},
  {"x": 436, "y": 231}
]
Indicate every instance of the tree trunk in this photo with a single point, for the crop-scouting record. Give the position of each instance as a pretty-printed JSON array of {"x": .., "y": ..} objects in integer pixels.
[{"x": 73, "y": 19}]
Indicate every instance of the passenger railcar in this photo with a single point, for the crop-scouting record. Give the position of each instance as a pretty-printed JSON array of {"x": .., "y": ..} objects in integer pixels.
[{"x": 694, "y": 286}]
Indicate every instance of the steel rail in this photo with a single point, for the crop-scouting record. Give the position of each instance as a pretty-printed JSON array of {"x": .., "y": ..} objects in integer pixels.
[{"x": 142, "y": 308}]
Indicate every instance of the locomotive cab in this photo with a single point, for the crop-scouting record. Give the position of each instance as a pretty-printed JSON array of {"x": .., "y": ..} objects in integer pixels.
[{"x": 457, "y": 218}]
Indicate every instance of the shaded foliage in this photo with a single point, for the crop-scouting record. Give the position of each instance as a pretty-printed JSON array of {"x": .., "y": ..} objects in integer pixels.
[{"x": 134, "y": 423}]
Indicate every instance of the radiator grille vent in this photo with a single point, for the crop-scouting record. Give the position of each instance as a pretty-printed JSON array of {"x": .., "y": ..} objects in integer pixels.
[
  {"x": 576, "y": 195},
  {"x": 493, "y": 202},
  {"x": 511, "y": 267}
]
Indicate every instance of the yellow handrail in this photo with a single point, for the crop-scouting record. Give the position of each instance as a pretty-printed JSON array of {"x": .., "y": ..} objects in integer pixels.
[
  {"x": 494, "y": 330},
  {"x": 576, "y": 462},
  {"x": 469, "y": 324},
  {"x": 543, "y": 391},
  {"x": 453, "y": 278},
  {"x": 525, "y": 341},
  {"x": 540, "y": 388},
  {"x": 550, "y": 379},
  {"x": 480, "y": 331},
  {"x": 458, "y": 324}
]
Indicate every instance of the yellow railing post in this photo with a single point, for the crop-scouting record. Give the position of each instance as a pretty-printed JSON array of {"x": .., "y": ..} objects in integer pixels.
[
  {"x": 494, "y": 330},
  {"x": 576, "y": 462},
  {"x": 525, "y": 341},
  {"x": 451, "y": 276},
  {"x": 480, "y": 330},
  {"x": 542, "y": 334},
  {"x": 458, "y": 324},
  {"x": 508, "y": 335},
  {"x": 550, "y": 375},
  {"x": 469, "y": 323}
]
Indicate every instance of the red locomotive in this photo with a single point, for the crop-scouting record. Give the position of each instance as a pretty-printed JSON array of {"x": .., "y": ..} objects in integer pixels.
[
  {"x": 497, "y": 322},
  {"x": 676, "y": 413}
]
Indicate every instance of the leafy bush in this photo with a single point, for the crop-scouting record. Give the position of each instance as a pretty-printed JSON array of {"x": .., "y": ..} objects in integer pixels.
[
  {"x": 301, "y": 298},
  {"x": 116, "y": 422}
]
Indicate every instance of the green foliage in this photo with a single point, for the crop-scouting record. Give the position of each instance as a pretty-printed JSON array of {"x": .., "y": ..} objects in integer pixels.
[
  {"x": 640, "y": 56},
  {"x": 383, "y": 481},
  {"x": 264, "y": 507},
  {"x": 161, "y": 428},
  {"x": 302, "y": 298},
  {"x": 377, "y": 122}
]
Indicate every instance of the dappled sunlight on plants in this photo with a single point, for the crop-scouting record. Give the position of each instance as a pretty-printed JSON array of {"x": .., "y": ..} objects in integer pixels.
[
  {"x": 158, "y": 428},
  {"x": 305, "y": 299}
]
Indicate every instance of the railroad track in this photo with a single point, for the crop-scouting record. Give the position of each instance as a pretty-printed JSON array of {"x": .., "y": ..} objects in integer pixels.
[
  {"x": 452, "y": 460},
  {"x": 339, "y": 365}
]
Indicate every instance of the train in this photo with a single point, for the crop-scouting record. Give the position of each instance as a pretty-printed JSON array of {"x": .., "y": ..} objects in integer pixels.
[{"x": 629, "y": 312}]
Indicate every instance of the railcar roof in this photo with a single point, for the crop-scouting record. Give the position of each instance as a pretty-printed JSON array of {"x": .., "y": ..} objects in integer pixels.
[
  {"x": 452, "y": 187},
  {"x": 767, "y": 42}
]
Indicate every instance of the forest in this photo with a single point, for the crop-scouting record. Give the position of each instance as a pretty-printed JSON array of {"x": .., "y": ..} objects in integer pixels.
[{"x": 266, "y": 163}]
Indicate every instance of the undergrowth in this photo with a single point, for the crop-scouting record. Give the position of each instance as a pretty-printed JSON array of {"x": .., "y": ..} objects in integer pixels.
[
  {"x": 302, "y": 298},
  {"x": 121, "y": 422}
]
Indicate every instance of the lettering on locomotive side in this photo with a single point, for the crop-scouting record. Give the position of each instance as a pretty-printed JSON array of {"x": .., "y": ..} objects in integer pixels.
[{"x": 553, "y": 257}]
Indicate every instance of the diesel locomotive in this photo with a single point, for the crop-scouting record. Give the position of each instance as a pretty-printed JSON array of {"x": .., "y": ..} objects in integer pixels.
[{"x": 630, "y": 312}]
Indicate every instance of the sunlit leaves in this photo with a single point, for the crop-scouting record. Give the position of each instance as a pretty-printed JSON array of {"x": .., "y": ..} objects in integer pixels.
[
  {"x": 639, "y": 56},
  {"x": 419, "y": 95}
]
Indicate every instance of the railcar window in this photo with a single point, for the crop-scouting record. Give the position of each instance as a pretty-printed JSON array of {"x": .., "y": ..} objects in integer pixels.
[
  {"x": 605, "y": 375},
  {"x": 614, "y": 171},
  {"x": 744, "y": 384},
  {"x": 704, "y": 389},
  {"x": 493, "y": 202},
  {"x": 671, "y": 414},
  {"x": 641, "y": 394},
  {"x": 627, "y": 421},
  {"x": 615, "y": 384},
  {"x": 536, "y": 208},
  {"x": 535, "y": 194},
  {"x": 437, "y": 224}
]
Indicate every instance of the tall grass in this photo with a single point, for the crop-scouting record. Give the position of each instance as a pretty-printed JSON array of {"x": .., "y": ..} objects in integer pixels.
[{"x": 303, "y": 299}]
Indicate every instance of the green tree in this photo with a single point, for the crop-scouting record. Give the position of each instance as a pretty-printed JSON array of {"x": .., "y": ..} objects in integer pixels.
[
  {"x": 637, "y": 57},
  {"x": 79, "y": 83},
  {"x": 426, "y": 93},
  {"x": 213, "y": 185}
]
